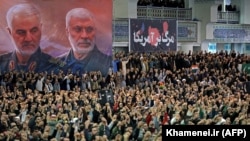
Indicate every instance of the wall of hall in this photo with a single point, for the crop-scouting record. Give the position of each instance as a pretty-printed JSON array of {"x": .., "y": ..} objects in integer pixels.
[{"x": 202, "y": 10}]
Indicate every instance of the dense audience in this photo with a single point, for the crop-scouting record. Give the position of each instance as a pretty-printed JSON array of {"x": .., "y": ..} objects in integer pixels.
[
  {"x": 149, "y": 89},
  {"x": 177, "y": 4},
  {"x": 162, "y": 3}
]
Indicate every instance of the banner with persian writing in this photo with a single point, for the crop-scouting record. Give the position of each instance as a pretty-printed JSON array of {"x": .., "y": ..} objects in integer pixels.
[{"x": 153, "y": 35}]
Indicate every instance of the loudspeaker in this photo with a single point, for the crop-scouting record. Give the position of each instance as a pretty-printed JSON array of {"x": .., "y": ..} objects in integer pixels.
[{"x": 106, "y": 96}]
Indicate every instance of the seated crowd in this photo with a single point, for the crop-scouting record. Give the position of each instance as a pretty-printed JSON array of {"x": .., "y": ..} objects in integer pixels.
[
  {"x": 162, "y": 3},
  {"x": 149, "y": 90}
]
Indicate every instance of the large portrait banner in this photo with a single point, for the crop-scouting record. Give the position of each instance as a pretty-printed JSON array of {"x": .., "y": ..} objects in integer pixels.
[
  {"x": 153, "y": 35},
  {"x": 54, "y": 35}
]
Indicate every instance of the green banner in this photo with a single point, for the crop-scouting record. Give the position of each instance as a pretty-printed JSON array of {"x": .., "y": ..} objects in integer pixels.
[{"x": 246, "y": 68}]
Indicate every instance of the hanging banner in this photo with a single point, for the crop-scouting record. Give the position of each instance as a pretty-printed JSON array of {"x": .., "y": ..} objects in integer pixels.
[
  {"x": 153, "y": 35},
  {"x": 55, "y": 35}
]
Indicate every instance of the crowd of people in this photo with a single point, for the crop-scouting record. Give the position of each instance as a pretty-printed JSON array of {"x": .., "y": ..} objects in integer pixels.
[
  {"x": 229, "y": 7},
  {"x": 162, "y": 3},
  {"x": 149, "y": 90}
]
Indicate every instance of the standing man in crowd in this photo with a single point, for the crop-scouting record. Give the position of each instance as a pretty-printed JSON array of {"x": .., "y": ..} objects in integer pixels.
[
  {"x": 84, "y": 55},
  {"x": 24, "y": 26}
]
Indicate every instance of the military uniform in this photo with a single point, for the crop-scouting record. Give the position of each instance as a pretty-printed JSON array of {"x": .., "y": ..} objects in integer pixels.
[
  {"x": 38, "y": 62},
  {"x": 95, "y": 61}
]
